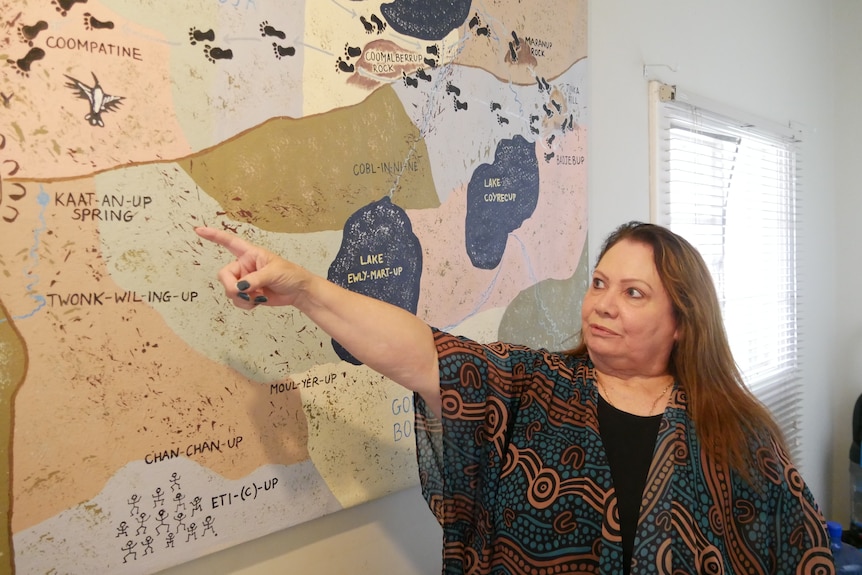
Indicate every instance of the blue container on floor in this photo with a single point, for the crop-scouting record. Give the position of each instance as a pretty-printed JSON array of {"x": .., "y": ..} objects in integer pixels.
[{"x": 848, "y": 559}]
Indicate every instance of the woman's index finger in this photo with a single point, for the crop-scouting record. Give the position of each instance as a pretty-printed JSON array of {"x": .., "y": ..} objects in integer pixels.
[{"x": 233, "y": 243}]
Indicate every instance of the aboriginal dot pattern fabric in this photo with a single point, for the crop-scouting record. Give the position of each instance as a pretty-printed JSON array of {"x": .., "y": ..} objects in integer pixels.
[{"x": 517, "y": 476}]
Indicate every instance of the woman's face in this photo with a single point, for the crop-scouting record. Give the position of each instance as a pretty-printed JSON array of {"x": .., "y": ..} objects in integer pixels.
[{"x": 627, "y": 319}]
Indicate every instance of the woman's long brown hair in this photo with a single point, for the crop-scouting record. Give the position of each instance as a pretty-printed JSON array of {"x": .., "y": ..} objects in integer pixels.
[{"x": 727, "y": 417}]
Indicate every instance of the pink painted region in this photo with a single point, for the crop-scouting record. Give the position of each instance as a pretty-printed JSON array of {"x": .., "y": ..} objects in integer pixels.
[
  {"x": 48, "y": 132},
  {"x": 547, "y": 246}
]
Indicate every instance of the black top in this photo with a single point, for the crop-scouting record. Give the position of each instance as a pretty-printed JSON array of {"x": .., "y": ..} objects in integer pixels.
[{"x": 629, "y": 442}]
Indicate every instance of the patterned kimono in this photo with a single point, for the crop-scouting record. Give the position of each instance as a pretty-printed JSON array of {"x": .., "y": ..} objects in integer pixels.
[{"x": 517, "y": 475}]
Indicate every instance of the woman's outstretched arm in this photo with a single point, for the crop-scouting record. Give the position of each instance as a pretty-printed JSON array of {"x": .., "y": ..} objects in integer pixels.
[{"x": 385, "y": 337}]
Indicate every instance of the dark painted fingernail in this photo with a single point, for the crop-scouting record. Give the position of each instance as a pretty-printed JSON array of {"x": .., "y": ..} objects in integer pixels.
[
  {"x": 243, "y": 285},
  {"x": 244, "y": 296},
  {"x": 260, "y": 299}
]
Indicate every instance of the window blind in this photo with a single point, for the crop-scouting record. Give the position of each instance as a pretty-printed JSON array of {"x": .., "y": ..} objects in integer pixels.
[{"x": 730, "y": 187}]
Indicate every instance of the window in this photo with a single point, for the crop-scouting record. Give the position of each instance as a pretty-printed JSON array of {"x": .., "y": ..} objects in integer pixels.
[{"x": 729, "y": 187}]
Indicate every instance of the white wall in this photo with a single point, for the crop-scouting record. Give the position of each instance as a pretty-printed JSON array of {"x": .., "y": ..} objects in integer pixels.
[
  {"x": 847, "y": 386},
  {"x": 771, "y": 58}
]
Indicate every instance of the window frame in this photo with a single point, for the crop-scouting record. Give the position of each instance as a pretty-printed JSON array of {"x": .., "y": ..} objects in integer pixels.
[{"x": 781, "y": 391}]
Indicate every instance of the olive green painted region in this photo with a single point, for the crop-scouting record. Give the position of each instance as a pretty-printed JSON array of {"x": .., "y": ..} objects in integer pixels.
[
  {"x": 13, "y": 366},
  {"x": 548, "y": 314},
  {"x": 300, "y": 176}
]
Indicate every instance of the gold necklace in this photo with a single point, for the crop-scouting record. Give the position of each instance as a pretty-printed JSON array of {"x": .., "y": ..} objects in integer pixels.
[{"x": 654, "y": 403}]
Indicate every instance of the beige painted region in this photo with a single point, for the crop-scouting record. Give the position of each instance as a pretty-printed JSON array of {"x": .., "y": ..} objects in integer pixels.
[
  {"x": 215, "y": 97},
  {"x": 312, "y": 174},
  {"x": 13, "y": 366},
  {"x": 548, "y": 244},
  {"x": 111, "y": 375},
  {"x": 47, "y": 134},
  {"x": 361, "y": 435},
  {"x": 161, "y": 253},
  {"x": 330, "y": 29},
  {"x": 562, "y": 25}
]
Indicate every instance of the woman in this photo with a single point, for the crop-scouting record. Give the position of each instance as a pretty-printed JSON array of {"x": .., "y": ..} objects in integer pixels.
[{"x": 638, "y": 452}]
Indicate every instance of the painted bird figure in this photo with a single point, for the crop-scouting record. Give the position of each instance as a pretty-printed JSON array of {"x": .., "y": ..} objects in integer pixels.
[{"x": 99, "y": 100}]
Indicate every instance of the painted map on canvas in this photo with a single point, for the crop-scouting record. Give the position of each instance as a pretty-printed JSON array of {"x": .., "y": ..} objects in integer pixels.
[{"x": 431, "y": 154}]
